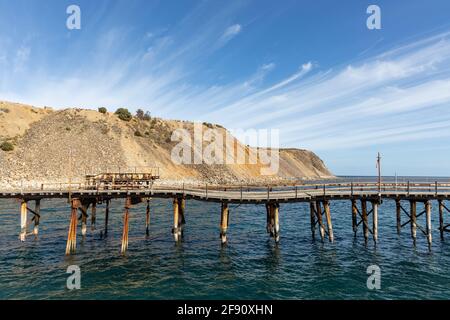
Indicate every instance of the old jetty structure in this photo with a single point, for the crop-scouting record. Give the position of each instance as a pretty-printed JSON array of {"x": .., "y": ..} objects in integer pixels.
[
  {"x": 110, "y": 142},
  {"x": 137, "y": 187}
]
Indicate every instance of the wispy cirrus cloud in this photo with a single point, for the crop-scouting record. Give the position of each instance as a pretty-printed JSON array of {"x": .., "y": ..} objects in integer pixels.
[
  {"x": 371, "y": 101},
  {"x": 230, "y": 33}
]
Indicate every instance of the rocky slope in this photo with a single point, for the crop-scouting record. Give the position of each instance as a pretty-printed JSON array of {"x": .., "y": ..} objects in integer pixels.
[{"x": 58, "y": 145}]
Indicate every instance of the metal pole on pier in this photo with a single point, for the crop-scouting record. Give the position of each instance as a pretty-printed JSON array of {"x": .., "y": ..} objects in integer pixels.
[{"x": 379, "y": 174}]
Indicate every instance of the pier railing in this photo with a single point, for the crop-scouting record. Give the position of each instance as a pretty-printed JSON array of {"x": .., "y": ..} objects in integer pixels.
[{"x": 237, "y": 192}]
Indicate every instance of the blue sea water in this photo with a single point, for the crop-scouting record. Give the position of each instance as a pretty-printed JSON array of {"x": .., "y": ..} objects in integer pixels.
[{"x": 250, "y": 266}]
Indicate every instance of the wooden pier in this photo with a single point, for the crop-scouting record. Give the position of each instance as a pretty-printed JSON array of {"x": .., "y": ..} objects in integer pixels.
[{"x": 413, "y": 200}]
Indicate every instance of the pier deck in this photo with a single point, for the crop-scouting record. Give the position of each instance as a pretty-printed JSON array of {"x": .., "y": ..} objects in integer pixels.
[{"x": 248, "y": 194}]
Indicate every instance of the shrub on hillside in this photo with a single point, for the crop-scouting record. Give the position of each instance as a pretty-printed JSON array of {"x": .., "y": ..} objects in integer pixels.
[
  {"x": 102, "y": 110},
  {"x": 7, "y": 146},
  {"x": 123, "y": 114},
  {"x": 141, "y": 115},
  {"x": 137, "y": 133},
  {"x": 209, "y": 125}
]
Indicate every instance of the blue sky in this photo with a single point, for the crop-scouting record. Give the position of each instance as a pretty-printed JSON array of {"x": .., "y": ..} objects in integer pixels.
[{"x": 309, "y": 68}]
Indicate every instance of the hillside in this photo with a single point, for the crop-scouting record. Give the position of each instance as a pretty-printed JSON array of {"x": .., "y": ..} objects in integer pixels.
[{"x": 55, "y": 145}]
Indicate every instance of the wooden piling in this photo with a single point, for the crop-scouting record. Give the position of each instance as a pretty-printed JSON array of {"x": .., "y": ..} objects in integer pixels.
[
  {"x": 428, "y": 227},
  {"x": 224, "y": 222},
  {"x": 271, "y": 218},
  {"x": 93, "y": 214},
  {"x": 399, "y": 215},
  {"x": 354, "y": 217},
  {"x": 326, "y": 206},
  {"x": 125, "y": 226},
  {"x": 365, "y": 221},
  {"x": 72, "y": 233},
  {"x": 147, "y": 218},
  {"x": 312, "y": 210},
  {"x": 441, "y": 218},
  {"x": 176, "y": 221},
  {"x": 413, "y": 206},
  {"x": 181, "y": 219},
  {"x": 277, "y": 222},
  {"x": 320, "y": 221},
  {"x": 268, "y": 217},
  {"x": 23, "y": 220},
  {"x": 37, "y": 216},
  {"x": 183, "y": 210},
  {"x": 106, "y": 216},
  {"x": 375, "y": 221}
]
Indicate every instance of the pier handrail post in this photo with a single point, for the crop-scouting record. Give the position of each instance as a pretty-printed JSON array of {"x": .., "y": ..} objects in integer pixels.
[
  {"x": 268, "y": 192},
  {"x": 436, "y": 188},
  {"x": 295, "y": 192},
  {"x": 324, "y": 189},
  {"x": 407, "y": 188},
  {"x": 351, "y": 188},
  {"x": 241, "y": 191}
]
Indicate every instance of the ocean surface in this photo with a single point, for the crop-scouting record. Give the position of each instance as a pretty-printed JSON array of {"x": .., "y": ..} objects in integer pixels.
[{"x": 250, "y": 266}]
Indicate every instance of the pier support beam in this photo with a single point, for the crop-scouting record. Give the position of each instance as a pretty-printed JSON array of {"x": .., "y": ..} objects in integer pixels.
[
  {"x": 176, "y": 221},
  {"x": 312, "y": 210},
  {"x": 37, "y": 216},
  {"x": 269, "y": 218},
  {"x": 375, "y": 221},
  {"x": 354, "y": 216},
  {"x": 326, "y": 206},
  {"x": 224, "y": 222},
  {"x": 320, "y": 220},
  {"x": 93, "y": 214},
  {"x": 276, "y": 210},
  {"x": 364, "y": 214},
  {"x": 147, "y": 218},
  {"x": 126, "y": 215},
  {"x": 413, "y": 212},
  {"x": 23, "y": 220},
  {"x": 273, "y": 222},
  {"x": 399, "y": 215},
  {"x": 428, "y": 227},
  {"x": 365, "y": 220},
  {"x": 106, "y": 216},
  {"x": 181, "y": 209},
  {"x": 72, "y": 233}
]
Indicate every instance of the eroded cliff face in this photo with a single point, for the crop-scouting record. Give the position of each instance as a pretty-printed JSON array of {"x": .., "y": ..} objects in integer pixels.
[{"x": 55, "y": 145}]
